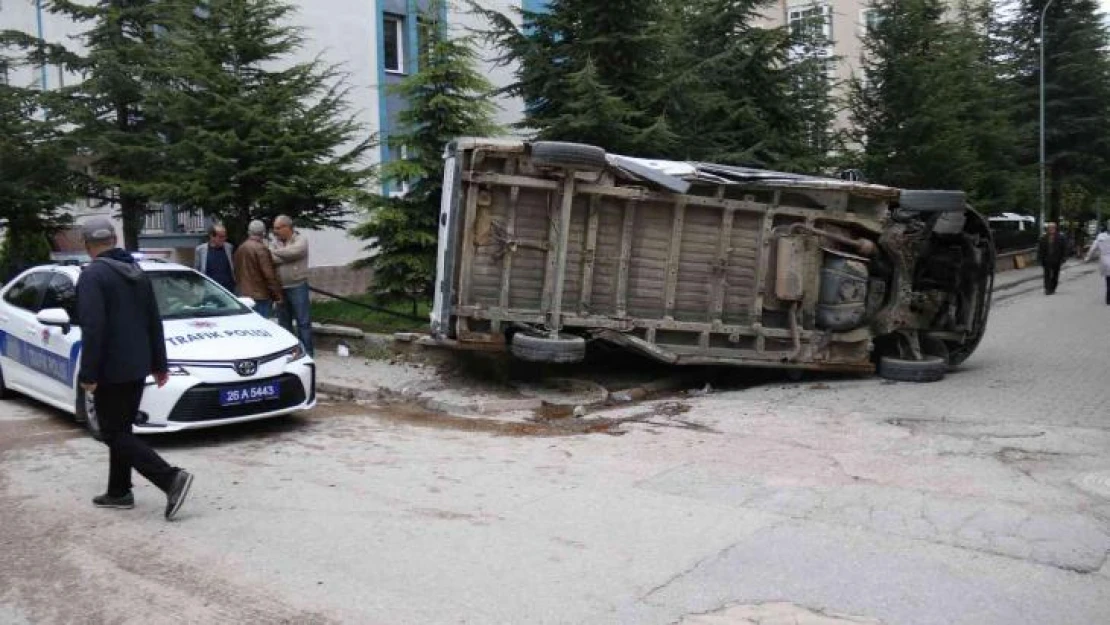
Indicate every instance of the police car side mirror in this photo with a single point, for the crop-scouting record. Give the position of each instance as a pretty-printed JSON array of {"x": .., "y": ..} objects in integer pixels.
[
  {"x": 56, "y": 317},
  {"x": 248, "y": 302}
]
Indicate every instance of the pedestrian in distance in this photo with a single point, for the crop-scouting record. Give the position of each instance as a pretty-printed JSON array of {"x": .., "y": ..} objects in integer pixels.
[
  {"x": 1052, "y": 252},
  {"x": 1101, "y": 249},
  {"x": 254, "y": 268},
  {"x": 215, "y": 258},
  {"x": 290, "y": 251},
  {"x": 122, "y": 344}
]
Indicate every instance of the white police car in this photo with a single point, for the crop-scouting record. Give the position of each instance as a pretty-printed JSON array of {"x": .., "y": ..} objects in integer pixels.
[{"x": 227, "y": 364}]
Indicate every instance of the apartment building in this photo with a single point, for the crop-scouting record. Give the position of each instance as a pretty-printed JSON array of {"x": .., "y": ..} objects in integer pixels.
[{"x": 374, "y": 41}]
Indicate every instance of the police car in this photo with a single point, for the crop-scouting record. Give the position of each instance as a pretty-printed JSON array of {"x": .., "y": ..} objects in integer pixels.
[{"x": 226, "y": 363}]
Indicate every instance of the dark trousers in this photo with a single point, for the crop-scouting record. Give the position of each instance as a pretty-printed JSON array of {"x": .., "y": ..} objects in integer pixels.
[
  {"x": 1108, "y": 290},
  {"x": 116, "y": 407},
  {"x": 1051, "y": 277}
]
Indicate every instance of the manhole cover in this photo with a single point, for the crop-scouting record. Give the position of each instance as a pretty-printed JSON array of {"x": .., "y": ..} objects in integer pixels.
[
  {"x": 1095, "y": 483},
  {"x": 774, "y": 614}
]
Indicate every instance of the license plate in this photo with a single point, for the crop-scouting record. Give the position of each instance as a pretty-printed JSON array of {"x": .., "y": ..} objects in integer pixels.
[{"x": 249, "y": 394}]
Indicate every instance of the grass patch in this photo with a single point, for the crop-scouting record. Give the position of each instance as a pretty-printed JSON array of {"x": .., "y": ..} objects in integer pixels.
[{"x": 348, "y": 314}]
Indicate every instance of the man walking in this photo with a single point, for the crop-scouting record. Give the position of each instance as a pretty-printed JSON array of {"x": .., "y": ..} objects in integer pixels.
[
  {"x": 214, "y": 258},
  {"x": 122, "y": 343},
  {"x": 1052, "y": 251},
  {"x": 254, "y": 267},
  {"x": 290, "y": 252}
]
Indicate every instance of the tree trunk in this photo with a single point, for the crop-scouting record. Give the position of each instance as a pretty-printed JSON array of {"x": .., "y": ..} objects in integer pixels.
[{"x": 133, "y": 211}]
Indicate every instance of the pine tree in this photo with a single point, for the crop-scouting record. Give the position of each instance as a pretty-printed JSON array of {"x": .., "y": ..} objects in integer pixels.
[
  {"x": 729, "y": 90},
  {"x": 578, "y": 53},
  {"x": 1077, "y": 95},
  {"x": 107, "y": 110},
  {"x": 252, "y": 136},
  {"x": 447, "y": 99},
  {"x": 931, "y": 110},
  {"x": 35, "y": 179}
]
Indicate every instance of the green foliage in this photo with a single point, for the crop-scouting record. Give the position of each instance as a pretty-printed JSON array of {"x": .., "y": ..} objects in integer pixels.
[
  {"x": 732, "y": 87},
  {"x": 590, "y": 71},
  {"x": 252, "y": 136},
  {"x": 1077, "y": 93},
  {"x": 932, "y": 110},
  {"x": 35, "y": 179},
  {"x": 107, "y": 110},
  {"x": 447, "y": 99}
]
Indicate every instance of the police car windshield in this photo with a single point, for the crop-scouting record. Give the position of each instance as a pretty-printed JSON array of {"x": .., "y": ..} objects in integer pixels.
[{"x": 186, "y": 295}]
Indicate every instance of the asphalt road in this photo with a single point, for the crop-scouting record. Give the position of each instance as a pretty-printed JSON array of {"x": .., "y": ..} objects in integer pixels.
[{"x": 982, "y": 499}]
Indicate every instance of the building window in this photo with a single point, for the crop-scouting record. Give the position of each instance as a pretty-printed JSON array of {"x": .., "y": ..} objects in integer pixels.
[
  {"x": 401, "y": 188},
  {"x": 814, "y": 20},
  {"x": 868, "y": 20},
  {"x": 394, "y": 40}
]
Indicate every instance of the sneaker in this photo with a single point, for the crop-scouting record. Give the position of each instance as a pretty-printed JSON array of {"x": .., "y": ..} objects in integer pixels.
[
  {"x": 123, "y": 502},
  {"x": 179, "y": 490}
]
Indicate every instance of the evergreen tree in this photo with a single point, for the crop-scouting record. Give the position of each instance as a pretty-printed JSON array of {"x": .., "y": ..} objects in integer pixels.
[
  {"x": 1077, "y": 95},
  {"x": 107, "y": 110},
  {"x": 447, "y": 99},
  {"x": 811, "y": 92},
  {"x": 35, "y": 179},
  {"x": 582, "y": 53},
  {"x": 250, "y": 134},
  {"x": 931, "y": 110}
]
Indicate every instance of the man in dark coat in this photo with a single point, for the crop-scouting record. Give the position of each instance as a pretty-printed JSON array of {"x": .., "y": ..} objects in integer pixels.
[
  {"x": 1052, "y": 251},
  {"x": 122, "y": 344}
]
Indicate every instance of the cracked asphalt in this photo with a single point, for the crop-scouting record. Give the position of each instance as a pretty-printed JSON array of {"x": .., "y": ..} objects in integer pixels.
[{"x": 982, "y": 499}]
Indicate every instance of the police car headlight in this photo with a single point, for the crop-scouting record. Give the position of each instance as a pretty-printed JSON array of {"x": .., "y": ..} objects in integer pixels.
[{"x": 295, "y": 354}]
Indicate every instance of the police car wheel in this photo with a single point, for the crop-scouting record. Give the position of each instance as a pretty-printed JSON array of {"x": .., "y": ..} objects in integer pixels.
[
  {"x": 4, "y": 392},
  {"x": 86, "y": 414}
]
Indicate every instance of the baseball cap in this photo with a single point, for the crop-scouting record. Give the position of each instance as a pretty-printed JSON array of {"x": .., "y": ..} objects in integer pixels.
[{"x": 97, "y": 230}]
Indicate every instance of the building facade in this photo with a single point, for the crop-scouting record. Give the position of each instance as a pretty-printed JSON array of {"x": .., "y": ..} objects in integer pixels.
[{"x": 374, "y": 41}]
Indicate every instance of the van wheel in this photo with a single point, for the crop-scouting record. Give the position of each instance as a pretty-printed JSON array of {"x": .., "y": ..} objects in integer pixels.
[
  {"x": 570, "y": 155},
  {"x": 928, "y": 369},
  {"x": 565, "y": 349},
  {"x": 933, "y": 201},
  {"x": 5, "y": 393},
  {"x": 86, "y": 413}
]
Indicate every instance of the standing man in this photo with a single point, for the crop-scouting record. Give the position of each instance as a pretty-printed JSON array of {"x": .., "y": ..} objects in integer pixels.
[
  {"x": 254, "y": 268},
  {"x": 290, "y": 252},
  {"x": 122, "y": 344},
  {"x": 214, "y": 258},
  {"x": 1052, "y": 251}
]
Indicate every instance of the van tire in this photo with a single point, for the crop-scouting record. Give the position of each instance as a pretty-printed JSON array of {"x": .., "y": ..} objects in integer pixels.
[
  {"x": 570, "y": 155},
  {"x": 933, "y": 201},
  {"x": 928, "y": 369},
  {"x": 565, "y": 349}
]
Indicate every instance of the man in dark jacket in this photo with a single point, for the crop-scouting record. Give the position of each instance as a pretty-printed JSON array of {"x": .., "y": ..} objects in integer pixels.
[
  {"x": 122, "y": 344},
  {"x": 1052, "y": 251}
]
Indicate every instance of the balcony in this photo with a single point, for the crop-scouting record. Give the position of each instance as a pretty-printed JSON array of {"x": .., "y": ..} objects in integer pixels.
[{"x": 168, "y": 226}]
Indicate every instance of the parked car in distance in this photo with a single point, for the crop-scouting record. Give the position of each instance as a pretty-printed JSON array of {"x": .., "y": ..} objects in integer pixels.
[
  {"x": 226, "y": 363},
  {"x": 546, "y": 246}
]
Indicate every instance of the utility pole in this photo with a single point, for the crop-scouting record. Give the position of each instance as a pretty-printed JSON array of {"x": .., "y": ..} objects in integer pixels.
[{"x": 1044, "y": 14}]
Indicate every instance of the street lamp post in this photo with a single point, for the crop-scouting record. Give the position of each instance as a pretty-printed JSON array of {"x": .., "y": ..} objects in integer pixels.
[{"x": 1044, "y": 14}]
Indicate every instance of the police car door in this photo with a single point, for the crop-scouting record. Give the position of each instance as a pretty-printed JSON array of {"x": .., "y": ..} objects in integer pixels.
[
  {"x": 18, "y": 331},
  {"x": 61, "y": 349}
]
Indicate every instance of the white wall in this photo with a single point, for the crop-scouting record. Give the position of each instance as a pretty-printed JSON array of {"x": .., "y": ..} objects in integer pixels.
[{"x": 461, "y": 21}]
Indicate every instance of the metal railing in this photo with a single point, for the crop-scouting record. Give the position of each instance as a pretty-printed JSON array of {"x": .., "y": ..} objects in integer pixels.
[{"x": 180, "y": 220}]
